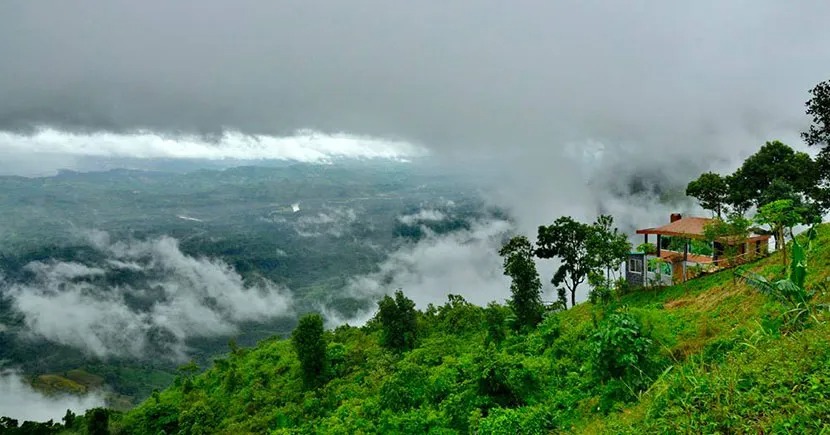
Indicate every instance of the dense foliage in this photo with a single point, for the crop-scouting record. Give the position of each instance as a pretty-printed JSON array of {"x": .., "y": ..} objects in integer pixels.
[
  {"x": 707, "y": 356},
  {"x": 525, "y": 287},
  {"x": 310, "y": 345}
]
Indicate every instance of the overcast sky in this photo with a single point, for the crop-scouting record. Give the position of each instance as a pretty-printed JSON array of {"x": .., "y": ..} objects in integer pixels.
[{"x": 681, "y": 86}]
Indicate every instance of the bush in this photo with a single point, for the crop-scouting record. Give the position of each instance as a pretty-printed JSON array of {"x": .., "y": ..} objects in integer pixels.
[{"x": 619, "y": 347}]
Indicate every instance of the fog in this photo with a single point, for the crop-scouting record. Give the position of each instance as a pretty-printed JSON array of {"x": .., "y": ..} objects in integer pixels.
[
  {"x": 20, "y": 401},
  {"x": 171, "y": 297}
]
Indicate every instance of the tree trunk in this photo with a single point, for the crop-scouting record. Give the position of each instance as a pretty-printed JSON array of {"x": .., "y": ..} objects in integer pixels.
[
  {"x": 783, "y": 246},
  {"x": 573, "y": 298}
]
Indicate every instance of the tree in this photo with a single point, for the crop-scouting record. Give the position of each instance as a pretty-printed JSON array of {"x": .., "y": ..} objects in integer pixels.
[
  {"x": 525, "y": 287},
  {"x": 711, "y": 190},
  {"x": 399, "y": 322},
  {"x": 731, "y": 234},
  {"x": 310, "y": 344},
  {"x": 568, "y": 240},
  {"x": 775, "y": 172},
  {"x": 494, "y": 318},
  {"x": 608, "y": 245},
  {"x": 782, "y": 215},
  {"x": 69, "y": 419},
  {"x": 818, "y": 107},
  {"x": 98, "y": 420}
]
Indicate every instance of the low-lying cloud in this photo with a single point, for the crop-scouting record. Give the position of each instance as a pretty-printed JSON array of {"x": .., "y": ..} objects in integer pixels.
[
  {"x": 423, "y": 215},
  {"x": 167, "y": 298},
  {"x": 464, "y": 262},
  {"x": 64, "y": 148},
  {"x": 331, "y": 221},
  {"x": 20, "y": 401}
]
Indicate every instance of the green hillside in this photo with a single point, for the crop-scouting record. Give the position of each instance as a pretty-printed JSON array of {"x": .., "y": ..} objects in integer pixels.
[{"x": 709, "y": 356}]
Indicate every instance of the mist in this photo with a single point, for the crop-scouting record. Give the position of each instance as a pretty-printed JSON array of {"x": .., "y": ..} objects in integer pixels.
[
  {"x": 69, "y": 150},
  {"x": 171, "y": 297},
  {"x": 464, "y": 262},
  {"x": 20, "y": 401}
]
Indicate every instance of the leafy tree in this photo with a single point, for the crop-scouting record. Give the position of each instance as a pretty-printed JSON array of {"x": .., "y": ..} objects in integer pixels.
[
  {"x": 711, "y": 190},
  {"x": 309, "y": 343},
  {"x": 775, "y": 172},
  {"x": 568, "y": 240},
  {"x": 399, "y": 322},
  {"x": 494, "y": 319},
  {"x": 781, "y": 215},
  {"x": 69, "y": 418},
  {"x": 731, "y": 234},
  {"x": 608, "y": 246},
  {"x": 98, "y": 421},
  {"x": 526, "y": 287},
  {"x": 819, "y": 108}
]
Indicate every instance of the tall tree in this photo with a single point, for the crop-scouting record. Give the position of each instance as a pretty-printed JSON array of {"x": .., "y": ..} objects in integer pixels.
[
  {"x": 775, "y": 172},
  {"x": 608, "y": 245},
  {"x": 711, "y": 190},
  {"x": 568, "y": 240},
  {"x": 526, "y": 287},
  {"x": 399, "y": 322},
  {"x": 818, "y": 107},
  {"x": 309, "y": 343}
]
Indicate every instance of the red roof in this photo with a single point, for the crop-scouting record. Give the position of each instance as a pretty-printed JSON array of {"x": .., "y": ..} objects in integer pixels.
[{"x": 689, "y": 227}]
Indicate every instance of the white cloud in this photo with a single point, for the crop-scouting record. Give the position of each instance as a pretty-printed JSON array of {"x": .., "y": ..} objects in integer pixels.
[
  {"x": 463, "y": 262},
  {"x": 20, "y": 401},
  {"x": 333, "y": 221},
  {"x": 184, "y": 297},
  {"x": 303, "y": 146},
  {"x": 423, "y": 215}
]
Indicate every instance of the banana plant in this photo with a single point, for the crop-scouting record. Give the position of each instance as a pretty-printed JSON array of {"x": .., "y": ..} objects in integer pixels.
[{"x": 791, "y": 291}]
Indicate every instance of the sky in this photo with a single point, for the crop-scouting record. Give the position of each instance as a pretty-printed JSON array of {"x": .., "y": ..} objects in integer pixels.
[{"x": 543, "y": 93}]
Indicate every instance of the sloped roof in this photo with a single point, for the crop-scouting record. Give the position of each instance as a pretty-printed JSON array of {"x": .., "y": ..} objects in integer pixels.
[
  {"x": 684, "y": 227},
  {"x": 690, "y": 227}
]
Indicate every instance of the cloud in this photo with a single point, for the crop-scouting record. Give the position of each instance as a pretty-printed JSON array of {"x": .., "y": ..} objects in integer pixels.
[
  {"x": 464, "y": 262},
  {"x": 333, "y": 221},
  {"x": 20, "y": 401},
  {"x": 423, "y": 215},
  {"x": 169, "y": 298},
  {"x": 302, "y": 146}
]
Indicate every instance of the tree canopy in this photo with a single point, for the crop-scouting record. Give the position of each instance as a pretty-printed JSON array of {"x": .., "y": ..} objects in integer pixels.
[
  {"x": 526, "y": 288},
  {"x": 583, "y": 249},
  {"x": 398, "y": 321},
  {"x": 711, "y": 190},
  {"x": 775, "y": 172},
  {"x": 309, "y": 343}
]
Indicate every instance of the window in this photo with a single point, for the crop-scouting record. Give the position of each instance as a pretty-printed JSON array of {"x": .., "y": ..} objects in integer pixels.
[{"x": 635, "y": 265}]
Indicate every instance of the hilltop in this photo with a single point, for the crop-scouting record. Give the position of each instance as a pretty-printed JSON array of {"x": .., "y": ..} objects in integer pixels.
[{"x": 711, "y": 355}]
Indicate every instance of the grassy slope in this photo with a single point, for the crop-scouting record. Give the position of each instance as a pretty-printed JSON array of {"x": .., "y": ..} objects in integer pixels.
[{"x": 719, "y": 366}]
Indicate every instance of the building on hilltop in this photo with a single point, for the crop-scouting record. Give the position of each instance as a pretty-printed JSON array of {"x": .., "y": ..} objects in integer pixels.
[{"x": 682, "y": 252}]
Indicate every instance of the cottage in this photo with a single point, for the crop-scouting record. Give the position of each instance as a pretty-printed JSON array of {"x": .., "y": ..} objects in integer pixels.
[{"x": 682, "y": 252}]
